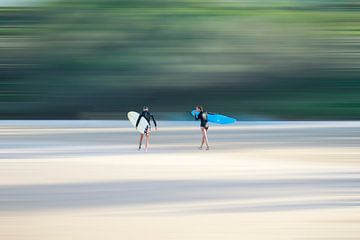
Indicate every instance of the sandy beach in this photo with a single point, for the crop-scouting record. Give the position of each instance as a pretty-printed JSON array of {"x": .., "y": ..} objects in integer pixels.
[{"x": 260, "y": 180}]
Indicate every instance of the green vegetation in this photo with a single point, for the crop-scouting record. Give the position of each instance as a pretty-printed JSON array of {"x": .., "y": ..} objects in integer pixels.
[{"x": 281, "y": 59}]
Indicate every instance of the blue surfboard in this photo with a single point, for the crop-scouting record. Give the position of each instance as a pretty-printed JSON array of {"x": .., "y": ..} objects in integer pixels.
[{"x": 217, "y": 118}]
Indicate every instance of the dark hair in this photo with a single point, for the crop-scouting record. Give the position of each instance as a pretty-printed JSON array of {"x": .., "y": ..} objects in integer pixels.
[
  {"x": 200, "y": 107},
  {"x": 145, "y": 108}
]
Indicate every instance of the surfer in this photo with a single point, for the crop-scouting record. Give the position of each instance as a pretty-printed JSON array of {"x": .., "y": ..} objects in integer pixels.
[
  {"x": 204, "y": 125},
  {"x": 148, "y": 116}
]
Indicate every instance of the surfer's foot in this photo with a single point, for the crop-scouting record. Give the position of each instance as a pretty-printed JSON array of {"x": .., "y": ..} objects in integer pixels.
[
  {"x": 207, "y": 148},
  {"x": 200, "y": 148},
  {"x": 139, "y": 148}
]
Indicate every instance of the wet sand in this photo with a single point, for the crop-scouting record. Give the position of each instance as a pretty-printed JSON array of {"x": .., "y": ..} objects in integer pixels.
[{"x": 260, "y": 180}]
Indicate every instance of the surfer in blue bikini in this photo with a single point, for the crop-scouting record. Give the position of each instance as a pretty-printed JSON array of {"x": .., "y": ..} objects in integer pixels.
[
  {"x": 204, "y": 125},
  {"x": 148, "y": 116}
]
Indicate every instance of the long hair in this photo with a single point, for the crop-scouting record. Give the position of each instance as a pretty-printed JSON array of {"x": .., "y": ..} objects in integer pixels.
[{"x": 200, "y": 107}]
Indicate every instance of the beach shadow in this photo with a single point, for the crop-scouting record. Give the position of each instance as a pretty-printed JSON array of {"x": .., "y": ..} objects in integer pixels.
[{"x": 128, "y": 194}]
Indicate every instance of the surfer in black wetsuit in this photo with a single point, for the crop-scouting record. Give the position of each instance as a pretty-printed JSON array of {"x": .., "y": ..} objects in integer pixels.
[
  {"x": 201, "y": 115},
  {"x": 148, "y": 116}
]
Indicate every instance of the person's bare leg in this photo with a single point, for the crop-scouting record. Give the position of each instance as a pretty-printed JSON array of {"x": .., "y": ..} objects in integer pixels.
[
  {"x": 206, "y": 140},
  {"x": 147, "y": 141},
  {"x": 202, "y": 143},
  {"x": 141, "y": 139},
  {"x": 202, "y": 138}
]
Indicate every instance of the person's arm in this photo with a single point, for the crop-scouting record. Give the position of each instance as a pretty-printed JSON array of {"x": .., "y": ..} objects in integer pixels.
[
  {"x": 138, "y": 120},
  {"x": 206, "y": 116},
  {"x": 152, "y": 117},
  {"x": 197, "y": 115}
]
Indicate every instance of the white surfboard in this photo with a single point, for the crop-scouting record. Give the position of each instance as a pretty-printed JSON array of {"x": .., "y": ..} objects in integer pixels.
[{"x": 143, "y": 124}]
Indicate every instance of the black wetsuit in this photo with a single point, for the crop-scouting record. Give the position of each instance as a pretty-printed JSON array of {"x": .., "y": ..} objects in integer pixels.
[
  {"x": 147, "y": 115},
  {"x": 203, "y": 117}
]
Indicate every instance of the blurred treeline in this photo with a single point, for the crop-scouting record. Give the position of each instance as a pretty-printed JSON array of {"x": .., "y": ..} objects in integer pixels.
[{"x": 282, "y": 59}]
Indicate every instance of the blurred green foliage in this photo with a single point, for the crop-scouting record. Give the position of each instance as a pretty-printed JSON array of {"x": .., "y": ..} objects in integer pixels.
[{"x": 281, "y": 59}]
